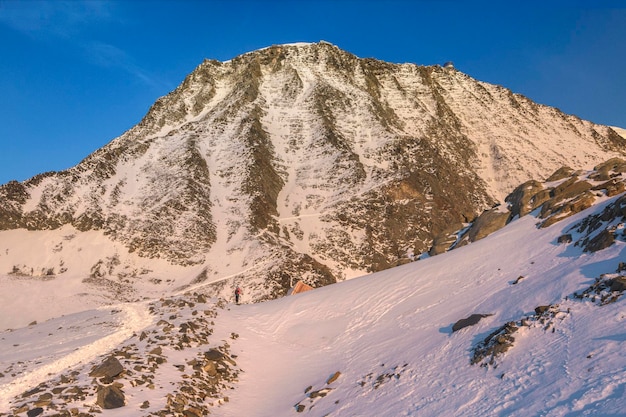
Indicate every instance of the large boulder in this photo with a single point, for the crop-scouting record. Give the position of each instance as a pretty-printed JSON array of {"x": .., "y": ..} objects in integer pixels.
[
  {"x": 488, "y": 222},
  {"x": 109, "y": 368},
  {"x": 110, "y": 396},
  {"x": 527, "y": 197},
  {"x": 468, "y": 321}
]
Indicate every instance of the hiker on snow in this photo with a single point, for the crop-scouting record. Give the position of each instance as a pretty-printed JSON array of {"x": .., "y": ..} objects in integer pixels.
[{"x": 238, "y": 293}]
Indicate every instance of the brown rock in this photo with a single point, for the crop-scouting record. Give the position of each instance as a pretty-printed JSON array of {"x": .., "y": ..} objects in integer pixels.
[
  {"x": 333, "y": 377},
  {"x": 34, "y": 412},
  {"x": 487, "y": 223},
  {"x": 111, "y": 367},
  {"x": 560, "y": 173},
  {"x": 110, "y": 396},
  {"x": 526, "y": 197}
]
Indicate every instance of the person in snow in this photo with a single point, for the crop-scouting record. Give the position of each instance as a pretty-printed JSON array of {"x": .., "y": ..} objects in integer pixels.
[{"x": 238, "y": 293}]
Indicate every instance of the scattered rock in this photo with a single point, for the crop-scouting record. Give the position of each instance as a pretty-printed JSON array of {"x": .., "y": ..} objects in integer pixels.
[
  {"x": 111, "y": 367},
  {"x": 110, "y": 397},
  {"x": 602, "y": 240},
  {"x": 566, "y": 238},
  {"x": 618, "y": 284},
  {"x": 517, "y": 280},
  {"x": 494, "y": 345},
  {"x": 541, "y": 310},
  {"x": 34, "y": 412},
  {"x": 333, "y": 378},
  {"x": 468, "y": 321}
]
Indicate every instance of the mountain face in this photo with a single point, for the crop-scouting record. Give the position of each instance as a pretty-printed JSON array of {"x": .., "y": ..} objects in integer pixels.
[{"x": 297, "y": 162}]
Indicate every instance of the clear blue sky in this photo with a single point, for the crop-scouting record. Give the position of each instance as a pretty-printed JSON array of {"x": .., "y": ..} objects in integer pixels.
[{"x": 74, "y": 75}]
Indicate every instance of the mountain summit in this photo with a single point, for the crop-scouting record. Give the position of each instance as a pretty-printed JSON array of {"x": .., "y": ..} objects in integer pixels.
[{"x": 293, "y": 162}]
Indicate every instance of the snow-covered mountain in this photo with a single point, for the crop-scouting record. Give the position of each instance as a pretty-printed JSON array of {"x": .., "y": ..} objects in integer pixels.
[
  {"x": 294, "y": 162},
  {"x": 528, "y": 320}
]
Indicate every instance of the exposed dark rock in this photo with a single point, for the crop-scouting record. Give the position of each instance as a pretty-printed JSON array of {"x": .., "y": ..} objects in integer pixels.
[
  {"x": 445, "y": 240},
  {"x": 618, "y": 284},
  {"x": 612, "y": 187},
  {"x": 518, "y": 279},
  {"x": 469, "y": 321},
  {"x": 34, "y": 412},
  {"x": 110, "y": 396},
  {"x": 566, "y": 238},
  {"x": 383, "y": 196},
  {"x": 605, "y": 290},
  {"x": 602, "y": 240},
  {"x": 110, "y": 367},
  {"x": 557, "y": 209},
  {"x": 494, "y": 345}
]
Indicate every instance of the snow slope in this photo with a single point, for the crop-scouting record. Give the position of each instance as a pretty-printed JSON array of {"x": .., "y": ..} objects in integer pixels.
[
  {"x": 298, "y": 161},
  {"x": 389, "y": 335}
]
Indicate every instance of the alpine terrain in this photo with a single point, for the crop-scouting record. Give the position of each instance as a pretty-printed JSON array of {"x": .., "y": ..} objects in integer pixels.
[
  {"x": 527, "y": 321},
  {"x": 292, "y": 163}
]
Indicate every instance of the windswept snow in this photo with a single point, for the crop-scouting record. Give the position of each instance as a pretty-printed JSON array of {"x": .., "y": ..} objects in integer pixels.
[{"x": 389, "y": 335}]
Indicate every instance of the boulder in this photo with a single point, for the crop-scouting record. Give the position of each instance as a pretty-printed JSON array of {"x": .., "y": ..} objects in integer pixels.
[
  {"x": 527, "y": 197},
  {"x": 110, "y": 368},
  {"x": 566, "y": 238},
  {"x": 602, "y": 240},
  {"x": 444, "y": 240},
  {"x": 487, "y": 223},
  {"x": 468, "y": 321},
  {"x": 560, "y": 173},
  {"x": 34, "y": 412},
  {"x": 618, "y": 284},
  {"x": 110, "y": 396}
]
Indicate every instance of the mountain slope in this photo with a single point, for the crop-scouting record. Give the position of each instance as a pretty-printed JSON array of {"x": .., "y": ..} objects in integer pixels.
[
  {"x": 297, "y": 162},
  {"x": 386, "y": 344}
]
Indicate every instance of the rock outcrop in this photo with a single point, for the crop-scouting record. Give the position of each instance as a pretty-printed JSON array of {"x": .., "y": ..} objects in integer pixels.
[{"x": 314, "y": 164}]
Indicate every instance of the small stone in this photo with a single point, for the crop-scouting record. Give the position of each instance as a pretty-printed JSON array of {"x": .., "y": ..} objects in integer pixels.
[
  {"x": 541, "y": 309},
  {"x": 333, "y": 378},
  {"x": 34, "y": 412},
  {"x": 468, "y": 321},
  {"x": 110, "y": 396},
  {"x": 111, "y": 367}
]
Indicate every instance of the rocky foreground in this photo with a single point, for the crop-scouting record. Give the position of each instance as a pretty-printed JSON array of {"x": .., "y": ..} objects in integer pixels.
[{"x": 176, "y": 356}]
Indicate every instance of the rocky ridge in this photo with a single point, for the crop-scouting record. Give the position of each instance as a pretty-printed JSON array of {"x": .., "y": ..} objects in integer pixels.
[
  {"x": 302, "y": 162},
  {"x": 565, "y": 193}
]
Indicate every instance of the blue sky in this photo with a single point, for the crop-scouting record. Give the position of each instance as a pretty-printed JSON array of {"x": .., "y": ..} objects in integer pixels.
[{"x": 76, "y": 74}]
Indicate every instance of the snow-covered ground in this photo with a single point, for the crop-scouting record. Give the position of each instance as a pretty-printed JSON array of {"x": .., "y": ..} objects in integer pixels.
[{"x": 389, "y": 335}]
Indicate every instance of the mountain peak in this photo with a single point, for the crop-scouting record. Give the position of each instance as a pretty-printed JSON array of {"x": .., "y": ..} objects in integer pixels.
[{"x": 303, "y": 161}]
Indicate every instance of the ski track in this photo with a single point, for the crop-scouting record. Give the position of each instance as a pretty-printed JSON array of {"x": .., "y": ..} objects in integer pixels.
[{"x": 134, "y": 317}]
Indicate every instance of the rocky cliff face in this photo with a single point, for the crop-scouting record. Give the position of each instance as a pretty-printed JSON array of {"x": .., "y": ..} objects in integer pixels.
[{"x": 306, "y": 162}]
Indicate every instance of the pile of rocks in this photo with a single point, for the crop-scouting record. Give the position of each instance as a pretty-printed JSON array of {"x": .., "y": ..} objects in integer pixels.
[{"x": 173, "y": 361}]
